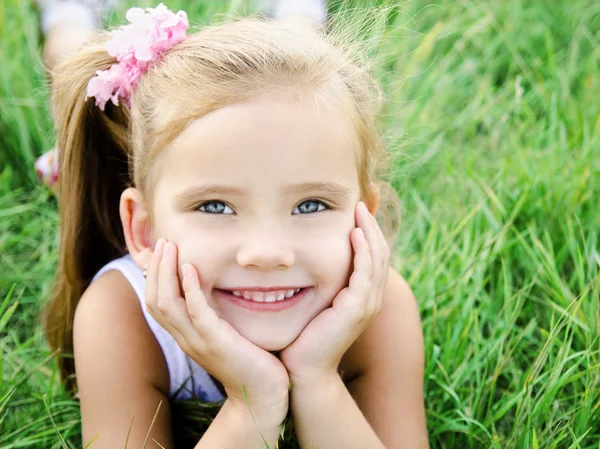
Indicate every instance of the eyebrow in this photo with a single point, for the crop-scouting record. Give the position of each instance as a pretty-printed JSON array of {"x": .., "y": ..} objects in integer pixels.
[
  {"x": 200, "y": 191},
  {"x": 325, "y": 187}
]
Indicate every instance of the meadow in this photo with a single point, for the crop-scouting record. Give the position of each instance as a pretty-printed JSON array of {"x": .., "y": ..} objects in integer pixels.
[{"x": 493, "y": 124}]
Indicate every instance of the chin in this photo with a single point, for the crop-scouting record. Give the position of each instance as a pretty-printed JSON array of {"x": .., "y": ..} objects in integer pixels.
[{"x": 272, "y": 343}]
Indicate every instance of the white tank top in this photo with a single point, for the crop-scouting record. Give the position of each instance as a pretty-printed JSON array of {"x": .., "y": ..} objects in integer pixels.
[{"x": 187, "y": 379}]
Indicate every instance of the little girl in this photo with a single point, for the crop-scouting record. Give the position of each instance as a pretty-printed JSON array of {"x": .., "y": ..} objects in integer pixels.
[{"x": 246, "y": 265}]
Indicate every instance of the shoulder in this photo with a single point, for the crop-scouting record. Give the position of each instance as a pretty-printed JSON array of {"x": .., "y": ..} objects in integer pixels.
[
  {"x": 109, "y": 322},
  {"x": 398, "y": 321},
  {"x": 120, "y": 369}
]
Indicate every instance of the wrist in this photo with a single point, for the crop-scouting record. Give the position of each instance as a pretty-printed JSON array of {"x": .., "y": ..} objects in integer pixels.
[
  {"x": 316, "y": 382},
  {"x": 266, "y": 411},
  {"x": 252, "y": 425}
]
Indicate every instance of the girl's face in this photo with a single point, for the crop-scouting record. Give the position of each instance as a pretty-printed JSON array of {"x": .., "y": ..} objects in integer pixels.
[{"x": 260, "y": 198}]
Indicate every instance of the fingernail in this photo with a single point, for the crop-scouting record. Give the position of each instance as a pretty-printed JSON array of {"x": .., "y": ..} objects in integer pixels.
[
  {"x": 166, "y": 250},
  {"x": 366, "y": 209},
  {"x": 361, "y": 234},
  {"x": 159, "y": 245}
]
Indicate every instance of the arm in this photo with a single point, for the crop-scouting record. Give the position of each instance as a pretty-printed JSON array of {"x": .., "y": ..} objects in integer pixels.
[
  {"x": 121, "y": 371},
  {"x": 326, "y": 416},
  {"x": 234, "y": 428},
  {"x": 122, "y": 375},
  {"x": 382, "y": 405}
]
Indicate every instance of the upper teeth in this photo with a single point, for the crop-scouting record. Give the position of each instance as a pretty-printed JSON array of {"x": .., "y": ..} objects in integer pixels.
[{"x": 272, "y": 296}]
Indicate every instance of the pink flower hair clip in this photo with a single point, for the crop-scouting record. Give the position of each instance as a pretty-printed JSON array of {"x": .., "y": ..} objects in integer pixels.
[{"x": 150, "y": 33}]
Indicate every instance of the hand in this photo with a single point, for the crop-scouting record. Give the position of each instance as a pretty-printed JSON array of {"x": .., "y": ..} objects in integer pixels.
[
  {"x": 317, "y": 351},
  {"x": 207, "y": 339}
]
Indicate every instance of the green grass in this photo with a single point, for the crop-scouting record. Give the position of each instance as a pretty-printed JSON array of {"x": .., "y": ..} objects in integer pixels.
[{"x": 494, "y": 122}]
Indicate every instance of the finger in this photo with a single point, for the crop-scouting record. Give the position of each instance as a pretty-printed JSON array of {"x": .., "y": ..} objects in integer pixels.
[
  {"x": 377, "y": 244},
  {"x": 377, "y": 231},
  {"x": 359, "y": 285},
  {"x": 171, "y": 311},
  {"x": 202, "y": 316},
  {"x": 383, "y": 243},
  {"x": 168, "y": 281},
  {"x": 367, "y": 223},
  {"x": 170, "y": 303},
  {"x": 381, "y": 261},
  {"x": 152, "y": 288},
  {"x": 382, "y": 246},
  {"x": 152, "y": 277}
]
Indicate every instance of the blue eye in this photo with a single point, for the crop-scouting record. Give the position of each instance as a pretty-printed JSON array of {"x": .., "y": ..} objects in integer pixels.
[
  {"x": 215, "y": 207},
  {"x": 309, "y": 207}
]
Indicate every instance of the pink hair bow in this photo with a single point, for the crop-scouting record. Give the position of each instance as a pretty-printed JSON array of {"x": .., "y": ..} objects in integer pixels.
[{"x": 148, "y": 35}]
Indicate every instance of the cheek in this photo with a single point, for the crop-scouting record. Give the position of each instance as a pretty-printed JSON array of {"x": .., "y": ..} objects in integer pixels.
[
  {"x": 202, "y": 249},
  {"x": 331, "y": 258},
  {"x": 198, "y": 251}
]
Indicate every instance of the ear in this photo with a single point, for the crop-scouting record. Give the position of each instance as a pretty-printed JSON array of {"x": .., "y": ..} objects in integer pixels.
[
  {"x": 373, "y": 198},
  {"x": 137, "y": 229}
]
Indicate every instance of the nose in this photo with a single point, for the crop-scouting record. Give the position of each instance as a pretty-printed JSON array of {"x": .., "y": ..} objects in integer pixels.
[{"x": 266, "y": 249}]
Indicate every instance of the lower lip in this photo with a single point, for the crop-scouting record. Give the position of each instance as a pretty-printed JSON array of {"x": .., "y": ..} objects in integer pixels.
[{"x": 276, "y": 306}]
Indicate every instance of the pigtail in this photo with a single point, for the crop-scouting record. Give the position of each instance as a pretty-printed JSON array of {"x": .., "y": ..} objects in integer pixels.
[{"x": 94, "y": 149}]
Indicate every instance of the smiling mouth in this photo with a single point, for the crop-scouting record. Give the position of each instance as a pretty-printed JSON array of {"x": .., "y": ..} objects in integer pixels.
[{"x": 265, "y": 296}]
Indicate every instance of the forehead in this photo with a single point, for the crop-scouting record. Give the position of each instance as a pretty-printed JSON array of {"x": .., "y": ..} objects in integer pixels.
[{"x": 265, "y": 140}]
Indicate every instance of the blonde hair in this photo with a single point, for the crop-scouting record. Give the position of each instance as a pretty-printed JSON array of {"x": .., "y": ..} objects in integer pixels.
[{"x": 101, "y": 153}]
